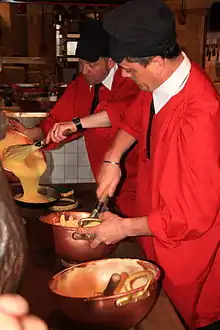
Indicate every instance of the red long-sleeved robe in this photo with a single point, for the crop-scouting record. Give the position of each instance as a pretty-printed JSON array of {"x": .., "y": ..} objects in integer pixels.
[
  {"x": 182, "y": 197},
  {"x": 77, "y": 102}
]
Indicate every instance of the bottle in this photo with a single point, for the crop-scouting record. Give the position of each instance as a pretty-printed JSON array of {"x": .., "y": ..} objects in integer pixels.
[{"x": 53, "y": 94}]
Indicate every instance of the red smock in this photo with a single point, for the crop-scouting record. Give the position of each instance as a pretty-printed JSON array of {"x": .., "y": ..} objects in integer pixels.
[
  {"x": 77, "y": 102},
  {"x": 182, "y": 197}
]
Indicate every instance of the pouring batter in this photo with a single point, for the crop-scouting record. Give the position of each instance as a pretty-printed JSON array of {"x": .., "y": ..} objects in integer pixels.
[{"x": 28, "y": 168}]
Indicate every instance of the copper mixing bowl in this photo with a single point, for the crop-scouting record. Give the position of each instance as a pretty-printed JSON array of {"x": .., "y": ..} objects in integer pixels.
[
  {"x": 79, "y": 292},
  {"x": 19, "y": 139},
  {"x": 72, "y": 248}
]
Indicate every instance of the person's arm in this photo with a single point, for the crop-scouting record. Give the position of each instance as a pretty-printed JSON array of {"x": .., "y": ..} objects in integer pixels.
[
  {"x": 108, "y": 113},
  {"x": 126, "y": 136},
  {"x": 114, "y": 229},
  {"x": 110, "y": 172},
  {"x": 122, "y": 142},
  {"x": 57, "y": 132},
  {"x": 100, "y": 119}
]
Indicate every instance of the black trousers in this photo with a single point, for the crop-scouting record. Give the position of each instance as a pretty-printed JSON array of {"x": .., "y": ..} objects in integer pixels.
[{"x": 213, "y": 326}]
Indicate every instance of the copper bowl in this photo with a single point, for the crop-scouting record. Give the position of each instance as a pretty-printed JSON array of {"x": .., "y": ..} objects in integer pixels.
[
  {"x": 19, "y": 138},
  {"x": 76, "y": 289},
  {"x": 71, "y": 248}
]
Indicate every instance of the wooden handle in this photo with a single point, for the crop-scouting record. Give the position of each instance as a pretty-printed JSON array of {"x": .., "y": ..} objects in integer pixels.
[
  {"x": 112, "y": 285},
  {"x": 68, "y": 132},
  {"x": 120, "y": 285}
]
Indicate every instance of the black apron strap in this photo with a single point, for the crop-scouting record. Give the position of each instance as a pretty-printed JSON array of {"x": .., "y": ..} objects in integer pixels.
[
  {"x": 148, "y": 137},
  {"x": 95, "y": 100}
]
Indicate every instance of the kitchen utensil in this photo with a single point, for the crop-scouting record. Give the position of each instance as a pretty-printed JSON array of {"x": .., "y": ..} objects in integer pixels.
[
  {"x": 75, "y": 289},
  {"x": 99, "y": 208},
  {"x": 71, "y": 246},
  {"x": 21, "y": 151},
  {"x": 112, "y": 285},
  {"x": 14, "y": 137},
  {"x": 46, "y": 191}
]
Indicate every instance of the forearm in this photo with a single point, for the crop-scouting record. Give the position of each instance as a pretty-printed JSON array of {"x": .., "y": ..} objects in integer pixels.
[
  {"x": 99, "y": 119},
  {"x": 34, "y": 133},
  {"x": 122, "y": 142},
  {"x": 136, "y": 226}
]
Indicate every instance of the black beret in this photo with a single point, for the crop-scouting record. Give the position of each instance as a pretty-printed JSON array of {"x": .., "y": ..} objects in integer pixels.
[
  {"x": 93, "y": 42},
  {"x": 140, "y": 28}
]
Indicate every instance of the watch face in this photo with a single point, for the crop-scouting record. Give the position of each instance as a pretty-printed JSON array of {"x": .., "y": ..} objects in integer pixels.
[{"x": 78, "y": 124}]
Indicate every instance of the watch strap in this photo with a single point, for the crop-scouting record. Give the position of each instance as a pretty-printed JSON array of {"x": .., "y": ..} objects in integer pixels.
[{"x": 78, "y": 124}]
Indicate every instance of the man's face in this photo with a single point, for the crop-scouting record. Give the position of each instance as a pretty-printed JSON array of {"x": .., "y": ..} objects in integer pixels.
[
  {"x": 95, "y": 72},
  {"x": 144, "y": 76}
]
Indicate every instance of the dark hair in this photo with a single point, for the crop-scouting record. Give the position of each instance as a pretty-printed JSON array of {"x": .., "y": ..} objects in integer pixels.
[{"x": 170, "y": 52}]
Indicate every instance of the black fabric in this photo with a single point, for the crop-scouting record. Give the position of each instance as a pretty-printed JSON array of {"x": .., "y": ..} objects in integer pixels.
[
  {"x": 95, "y": 100},
  {"x": 213, "y": 326},
  {"x": 140, "y": 28},
  {"x": 93, "y": 42},
  {"x": 148, "y": 137}
]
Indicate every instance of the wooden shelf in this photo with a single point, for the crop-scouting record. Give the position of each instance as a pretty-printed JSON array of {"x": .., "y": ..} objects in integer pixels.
[{"x": 24, "y": 60}]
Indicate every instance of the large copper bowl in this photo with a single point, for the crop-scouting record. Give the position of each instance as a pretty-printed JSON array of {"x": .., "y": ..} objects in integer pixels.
[
  {"x": 71, "y": 248},
  {"x": 18, "y": 138},
  {"x": 77, "y": 288}
]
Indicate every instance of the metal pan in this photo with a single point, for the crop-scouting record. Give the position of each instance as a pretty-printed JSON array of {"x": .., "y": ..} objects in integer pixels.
[{"x": 44, "y": 190}]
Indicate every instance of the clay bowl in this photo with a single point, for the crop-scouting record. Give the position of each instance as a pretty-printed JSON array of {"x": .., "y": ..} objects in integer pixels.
[
  {"x": 79, "y": 292},
  {"x": 71, "y": 247},
  {"x": 18, "y": 138}
]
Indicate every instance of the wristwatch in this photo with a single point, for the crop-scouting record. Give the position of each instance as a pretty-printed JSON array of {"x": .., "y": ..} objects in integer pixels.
[{"x": 78, "y": 124}]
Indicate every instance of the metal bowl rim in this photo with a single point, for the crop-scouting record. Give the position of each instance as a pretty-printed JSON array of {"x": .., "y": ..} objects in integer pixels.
[
  {"x": 96, "y": 299},
  {"x": 60, "y": 226}
]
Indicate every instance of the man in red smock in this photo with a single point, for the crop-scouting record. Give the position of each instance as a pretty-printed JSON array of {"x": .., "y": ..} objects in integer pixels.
[
  {"x": 114, "y": 96},
  {"x": 178, "y": 213}
]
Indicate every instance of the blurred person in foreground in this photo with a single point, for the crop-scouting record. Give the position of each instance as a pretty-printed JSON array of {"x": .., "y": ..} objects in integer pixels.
[
  {"x": 14, "y": 314},
  {"x": 178, "y": 217}
]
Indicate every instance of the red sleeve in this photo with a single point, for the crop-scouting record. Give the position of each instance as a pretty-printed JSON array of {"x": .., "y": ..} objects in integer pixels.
[
  {"x": 132, "y": 119},
  {"x": 123, "y": 97},
  {"x": 190, "y": 176},
  {"x": 62, "y": 111}
]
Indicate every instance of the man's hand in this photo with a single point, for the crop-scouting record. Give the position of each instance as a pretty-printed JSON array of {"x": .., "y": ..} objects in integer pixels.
[
  {"x": 17, "y": 125},
  {"x": 56, "y": 134},
  {"x": 14, "y": 314},
  {"x": 108, "y": 179},
  {"x": 110, "y": 231}
]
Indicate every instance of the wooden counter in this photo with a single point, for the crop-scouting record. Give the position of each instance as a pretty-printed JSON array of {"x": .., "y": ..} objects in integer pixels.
[{"x": 42, "y": 264}]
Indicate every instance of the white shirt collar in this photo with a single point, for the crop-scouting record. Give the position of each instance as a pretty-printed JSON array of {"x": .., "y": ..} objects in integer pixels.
[
  {"x": 107, "y": 82},
  {"x": 173, "y": 85}
]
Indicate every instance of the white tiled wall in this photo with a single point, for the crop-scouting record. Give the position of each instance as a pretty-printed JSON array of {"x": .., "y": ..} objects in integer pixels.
[{"x": 68, "y": 164}]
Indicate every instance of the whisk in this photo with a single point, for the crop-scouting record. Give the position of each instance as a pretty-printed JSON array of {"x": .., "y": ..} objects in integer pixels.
[
  {"x": 22, "y": 151},
  {"x": 19, "y": 152}
]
